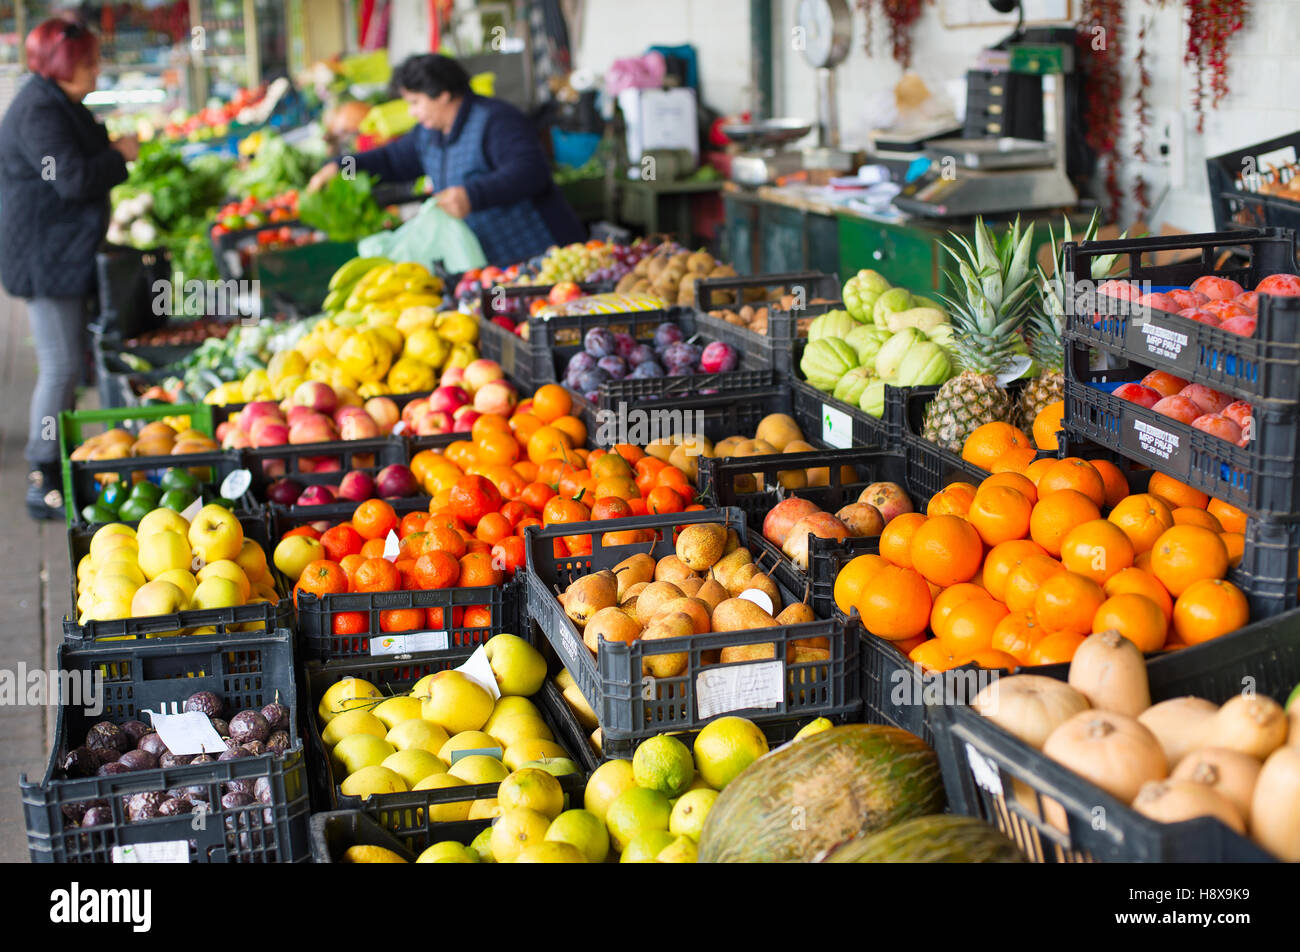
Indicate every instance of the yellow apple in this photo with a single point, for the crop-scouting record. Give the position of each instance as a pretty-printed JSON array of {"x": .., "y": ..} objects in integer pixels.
[
  {"x": 519, "y": 668},
  {"x": 360, "y": 750},
  {"x": 85, "y": 567},
  {"x": 225, "y": 568},
  {"x": 215, "y": 533},
  {"x": 294, "y": 554},
  {"x": 158, "y": 598},
  {"x": 344, "y": 695},
  {"x": 119, "y": 566},
  {"x": 102, "y": 548},
  {"x": 417, "y": 734},
  {"x": 109, "y": 610},
  {"x": 252, "y": 560},
  {"x": 163, "y": 551},
  {"x": 162, "y": 520},
  {"x": 182, "y": 579},
  {"x": 108, "y": 587},
  {"x": 414, "y": 764},
  {"x": 397, "y": 709},
  {"x": 217, "y": 592}
]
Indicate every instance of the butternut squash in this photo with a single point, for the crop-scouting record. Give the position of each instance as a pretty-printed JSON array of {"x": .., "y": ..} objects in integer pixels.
[
  {"x": 1253, "y": 724},
  {"x": 1172, "y": 801},
  {"x": 1115, "y": 752},
  {"x": 1111, "y": 673},
  {"x": 1179, "y": 724},
  {"x": 1229, "y": 772},
  {"x": 1029, "y": 706},
  {"x": 1275, "y": 806}
]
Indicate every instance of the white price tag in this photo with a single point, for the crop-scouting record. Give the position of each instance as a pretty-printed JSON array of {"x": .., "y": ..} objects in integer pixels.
[
  {"x": 168, "y": 851},
  {"x": 837, "y": 427},
  {"x": 739, "y": 687},
  {"x": 236, "y": 484},
  {"x": 410, "y": 642},
  {"x": 983, "y": 770},
  {"x": 476, "y": 668},
  {"x": 761, "y": 599},
  {"x": 1015, "y": 370},
  {"x": 189, "y": 732},
  {"x": 392, "y": 546},
  {"x": 192, "y": 510}
]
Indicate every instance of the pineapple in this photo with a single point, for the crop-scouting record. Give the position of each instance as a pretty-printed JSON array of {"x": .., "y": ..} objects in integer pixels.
[{"x": 997, "y": 285}]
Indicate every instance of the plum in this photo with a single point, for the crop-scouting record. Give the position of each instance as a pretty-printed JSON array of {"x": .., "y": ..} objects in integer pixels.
[
  {"x": 614, "y": 366},
  {"x": 681, "y": 353},
  {"x": 138, "y": 760},
  {"x": 579, "y": 363},
  {"x": 649, "y": 368},
  {"x": 592, "y": 379},
  {"x": 667, "y": 333},
  {"x": 624, "y": 344},
  {"x": 639, "y": 355},
  {"x": 152, "y": 743},
  {"x": 599, "y": 342},
  {"x": 719, "y": 358}
]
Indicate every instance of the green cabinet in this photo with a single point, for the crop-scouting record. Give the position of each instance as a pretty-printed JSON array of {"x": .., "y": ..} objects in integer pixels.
[
  {"x": 907, "y": 257},
  {"x": 739, "y": 233}
]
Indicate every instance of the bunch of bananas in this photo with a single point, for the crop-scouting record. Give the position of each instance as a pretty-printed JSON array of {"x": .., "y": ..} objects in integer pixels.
[{"x": 378, "y": 283}]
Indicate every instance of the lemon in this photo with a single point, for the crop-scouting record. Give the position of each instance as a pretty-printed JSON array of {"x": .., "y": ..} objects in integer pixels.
[
  {"x": 516, "y": 830},
  {"x": 583, "y": 829},
  {"x": 605, "y": 784},
  {"x": 397, "y": 709},
  {"x": 727, "y": 746},
  {"x": 646, "y": 846},
  {"x": 414, "y": 765},
  {"x": 482, "y": 845},
  {"x": 634, "y": 811},
  {"x": 417, "y": 734},
  {"x": 814, "y": 727},
  {"x": 448, "y": 851},
  {"x": 551, "y": 852},
  {"x": 681, "y": 850},
  {"x": 687, "y": 818},
  {"x": 532, "y": 788},
  {"x": 664, "y": 763},
  {"x": 476, "y": 768},
  {"x": 453, "y": 812},
  {"x": 372, "y": 780},
  {"x": 352, "y": 722},
  {"x": 371, "y": 854}
]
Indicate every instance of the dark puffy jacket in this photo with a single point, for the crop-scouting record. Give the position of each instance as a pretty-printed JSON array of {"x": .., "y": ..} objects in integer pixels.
[{"x": 56, "y": 169}]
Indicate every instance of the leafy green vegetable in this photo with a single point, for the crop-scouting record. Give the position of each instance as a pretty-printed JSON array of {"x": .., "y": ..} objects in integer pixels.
[
  {"x": 277, "y": 167},
  {"x": 344, "y": 209}
]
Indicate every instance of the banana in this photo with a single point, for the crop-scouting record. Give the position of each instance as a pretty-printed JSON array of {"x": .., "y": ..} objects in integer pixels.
[{"x": 353, "y": 270}]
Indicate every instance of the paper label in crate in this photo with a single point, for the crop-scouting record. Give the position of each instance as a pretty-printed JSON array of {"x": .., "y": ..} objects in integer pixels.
[
  {"x": 739, "y": 687},
  {"x": 983, "y": 771},
  {"x": 1163, "y": 342},
  {"x": 1154, "y": 440},
  {"x": 410, "y": 642},
  {"x": 761, "y": 599},
  {"x": 392, "y": 546},
  {"x": 192, "y": 510},
  {"x": 837, "y": 427},
  {"x": 168, "y": 851},
  {"x": 476, "y": 668},
  {"x": 189, "y": 732},
  {"x": 496, "y": 752},
  {"x": 236, "y": 484}
]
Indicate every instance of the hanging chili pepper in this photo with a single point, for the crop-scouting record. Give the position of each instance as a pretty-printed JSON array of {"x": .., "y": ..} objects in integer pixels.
[{"x": 902, "y": 16}]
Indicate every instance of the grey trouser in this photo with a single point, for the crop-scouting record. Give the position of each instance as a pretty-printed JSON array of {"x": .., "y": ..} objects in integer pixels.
[{"x": 58, "y": 335}]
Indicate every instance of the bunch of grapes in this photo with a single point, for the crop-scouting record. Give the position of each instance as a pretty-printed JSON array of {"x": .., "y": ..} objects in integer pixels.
[
  {"x": 625, "y": 258},
  {"x": 573, "y": 263}
]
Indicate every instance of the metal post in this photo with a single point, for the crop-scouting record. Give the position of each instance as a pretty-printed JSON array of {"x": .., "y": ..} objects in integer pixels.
[{"x": 760, "y": 58}]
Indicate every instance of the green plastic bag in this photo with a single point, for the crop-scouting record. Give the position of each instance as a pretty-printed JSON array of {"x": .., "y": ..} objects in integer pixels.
[{"x": 432, "y": 235}]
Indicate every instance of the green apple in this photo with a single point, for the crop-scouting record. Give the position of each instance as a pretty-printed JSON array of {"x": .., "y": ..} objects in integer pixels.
[
  {"x": 161, "y": 520},
  {"x": 163, "y": 551},
  {"x": 217, "y": 593},
  {"x": 295, "y": 553},
  {"x": 356, "y": 751},
  {"x": 555, "y": 766},
  {"x": 519, "y": 668},
  {"x": 215, "y": 534},
  {"x": 158, "y": 598}
]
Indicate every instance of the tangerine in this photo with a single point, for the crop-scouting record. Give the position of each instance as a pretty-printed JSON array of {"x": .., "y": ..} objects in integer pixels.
[
  {"x": 1096, "y": 549},
  {"x": 374, "y": 519},
  {"x": 1176, "y": 494},
  {"x": 1056, "y": 513},
  {"x": 1230, "y": 518},
  {"x": 896, "y": 538},
  {"x": 1025, "y": 579},
  {"x": 377, "y": 575},
  {"x": 1134, "y": 616},
  {"x": 852, "y": 579},
  {"x": 1185, "y": 555},
  {"x": 1076, "y": 474},
  {"x": 1000, "y": 514},
  {"x": 1068, "y": 602},
  {"x": 990, "y": 441},
  {"x": 1002, "y": 559},
  {"x": 436, "y": 570},
  {"x": 1055, "y": 648},
  {"x": 1143, "y": 517},
  {"x": 1207, "y": 609},
  {"x": 946, "y": 550},
  {"x": 1139, "y": 582},
  {"x": 896, "y": 603}
]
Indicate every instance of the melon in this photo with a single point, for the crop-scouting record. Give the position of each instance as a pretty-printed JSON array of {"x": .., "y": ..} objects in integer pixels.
[
  {"x": 799, "y": 802},
  {"x": 931, "y": 839}
]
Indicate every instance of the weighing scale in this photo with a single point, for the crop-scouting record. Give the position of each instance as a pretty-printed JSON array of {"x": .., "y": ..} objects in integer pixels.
[
  {"x": 764, "y": 161},
  {"x": 969, "y": 177}
]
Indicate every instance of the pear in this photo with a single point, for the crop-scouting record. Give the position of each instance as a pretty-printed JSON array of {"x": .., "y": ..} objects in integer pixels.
[
  {"x": 733, "y": 542},
  {"x": 700, "y": 546},
  {"x": 712, "y": 593},
  {"x": 760, "y": 652},
  {"x": 670, "y": 625},
  {"x": 662, "y": 448},
  {"x": 690, "y": 586},
  {"x": 671, "y": 569},
  {"x": 801, "y": 654},
  {"x": 628, "y": 601},
  {"x": 727, "y": 447},
  {"x": 653, "y": 597},
  {"x": 699, "y": 612},
  {"x": 634, "y": 570},
  {"x": 738, "y": 581},
  {"x": 778, "y": 430},
  {"x": 588, "y": 595},
  {"x": 612, "y": 624},
  {"x": 767, "y": 586},
  {"x": 740, "y": 614},
  {"x": 722, "y": 570},
  {"x": 796, "y": 613}
]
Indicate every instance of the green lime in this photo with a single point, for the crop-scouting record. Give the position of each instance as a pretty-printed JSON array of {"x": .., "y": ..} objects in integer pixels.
[
  {"x": 176, "y": 499},
  {"x": 147, "y": 492},
  {"x": 112, "y": 495},
  {"x": 133, "y": 510},
  {"x": 95, "y": 513},
  {"x": 176, "y": 478}
]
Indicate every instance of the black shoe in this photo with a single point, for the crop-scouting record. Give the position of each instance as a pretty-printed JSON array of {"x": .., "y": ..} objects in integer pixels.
[{"x": 45, "y": 493}]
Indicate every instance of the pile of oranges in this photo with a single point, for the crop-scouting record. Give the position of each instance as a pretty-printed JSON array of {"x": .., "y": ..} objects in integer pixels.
[{"x": 1021, "y": 568}]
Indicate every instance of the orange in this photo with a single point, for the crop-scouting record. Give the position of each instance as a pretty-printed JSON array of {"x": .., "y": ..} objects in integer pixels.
[
  {"x": 478, "y": 616},
  {"x": 341, "y": 540},
  {"x": 1057, "y": 648},
  {"x": 851, "y": 580},
  {"x": 578, "y": 484},
  {"x": 1047, "y": 423},
  {"x": 629, "y": 452},
  {"x": 489, "y": 423},
  {"x": 550, "y": 402},
  {"x": 619, "y": 488},
  {"x": 1000, "y": 514},
  {"x": 461, "y": 452},
  {"x": 1068, "y": 602},
  {"x": 1230, "y": 517},
  {"x": 1034, "y": 471},
  {"x": 374, "y": 519},
  {"x": 610, "y": 507},
  {"x": 1176, "y": 494},
  {"x": 559, "y": 510},
  {"x": 1136, "y": 581},
  {"x": 989, "y": 442},
  {"x": 1057, "y": 513},
  {"x": 434, "y": 620},
  {"x": 373, "y": 548},
  {"x": 534, "y": 495},
  {"x": 953, "y": 500},
  {"x": 612, "y": 466},
  {"x": 1014, "y": 461},
  {"x": 1188, "y": 516},
  {"x": 1114, "y": 480},
  {"x": 1208, "y": 609},
  {"x": 526, "y": 469},
  {"x": 1187, "y": 554},
  {"x": 508, "y": 554},
  {"x": 351, "y": 623},
  {"x": 1002, "y": 559},
  {"x": 1017, "y": 481},
  {"x": 946, "y": 550},
  {"x": 496, "y": 447},
  {"x": 508, "y": 482},
  {"x": 1143, "y": 518},
  {"x": 549, "y": 443},
  {"x": 492, "y": 528},
  {"x": 323, "y": 577},
  {"x": 993, "y": 659},
  {"x": 310, "y": 532},
  {"x": 422, "y": 463},
  {"x": 1025, "y": 579},
  {"x": 401, "y": 619},
  {"x": 377, "y": 575},
  {"x": 473, "y": 497},
  {"x": 1143, "y": 561},
  {"x": 1016, "y": 634},
  {"x": 896, "y": 538},
  {"x": 933, "y": 655},
  {"x": 551, "y": 471},
  {"x": 662, "y": 499},
  {"x": 1097, "y": 549},
  {"x": 950, "y": 599},
  {"x": 442, "y": 539},
  {"x": 1077, "y": 474},
  {"x": 1134, "y": 616},
  {"x": 409, "y": 523},
  {"x": 895, "y": 603},
  {"x": 971, "y": 625},
  {"x": 477, "y": 568},
  {"x": 571, "y": 426},
  {"x": 1235, "y": 543},
  {"x": 350, "y": 564},
  {"x": 436, "y": 570},
  {"x": 524, "y": 425}
]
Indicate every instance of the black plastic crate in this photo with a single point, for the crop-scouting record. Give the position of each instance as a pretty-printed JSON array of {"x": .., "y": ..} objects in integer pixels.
[
  {"x": 242, "y": 618},
  {"x": 406, "y": 813},
  {"x": 245, "y": 672},
  {"x": 334, "y": 831},
  {"x": 1264, "y": 366},
  {"x": 715, "y": 416},
  {"x": 980, "y": 760},
  {"x": 931, "y": 468},
  {"x": 1261, "y": 478},
  {"x": 835, "y": 422},
  {"x": 214, "y": 467},
  {"x": 343, "y": 456},
  {"x": 1237, "y": 179},
  {"x": 714, "y": 294},
  {"x": 521, "y": 361},
  {"x": 612, "y": 681}
]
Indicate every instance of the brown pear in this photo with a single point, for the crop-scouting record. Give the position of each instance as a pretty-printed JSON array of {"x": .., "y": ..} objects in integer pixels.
[
  {"x": 821, "y": 641},
  {"x": 767, "y": 586},
  {"x": 628, "y": 601},
  {"x": 760, "y": 652},
  {"x": 796, "y": 613},
  {"x": 632, "y": 570},
  {"x": 671, "y": 625},
  {"x": 653, "y": 597},
  {"x": 733, "y": 542},
  {"x": 612, "y": 624},
  {"x": 712, "y": 593},
  {"x": 699, "y": 547},
  {"x": 689, "y": 586},
  {"x": 801, "y": 654},
  {"x": 589, "y": 594},
  {"x": 699, "y": 612},
  {"x": 740, "y": 614},
  {"x": 711, "y": 656},
  {"x": 671, "y": 568},
  {"x": 738, "y": 581},
  {"x": 726, "y": 566}
]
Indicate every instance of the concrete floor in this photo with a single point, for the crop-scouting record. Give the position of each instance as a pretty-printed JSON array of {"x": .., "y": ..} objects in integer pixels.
[{"x": 34, "y": 580}]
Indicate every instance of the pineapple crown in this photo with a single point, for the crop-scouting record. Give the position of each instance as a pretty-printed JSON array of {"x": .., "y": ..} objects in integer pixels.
[
  {"x": 1047, "y": 318},
  {"x": 995, "y": 278}
]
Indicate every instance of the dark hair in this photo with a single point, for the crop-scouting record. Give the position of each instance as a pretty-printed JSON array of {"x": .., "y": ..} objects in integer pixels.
[
  {"x": 57, "y": 46},
  {"x": 432, "y": 75}
]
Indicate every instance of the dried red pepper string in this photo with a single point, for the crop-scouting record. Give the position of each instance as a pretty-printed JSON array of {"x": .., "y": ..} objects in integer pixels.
[
  {"x": 902, "y": 16},
  {"x": 1100, "y": 30}
]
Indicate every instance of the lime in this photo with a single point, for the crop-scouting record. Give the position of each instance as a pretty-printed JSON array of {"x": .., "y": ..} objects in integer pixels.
[
  {"x": 583, "y": 829},
  {"x": 664, "y": 763},
  {"x": 97, "y": 514},
  {"x": 113, "y": 495},
  {"x": 176, "y": 478},
  {"x": 634, "y": 811},
  {"x": 133, "y": 510},
  {"x": 727, "y": 746},
  {"x": 176, "y": 500},
  {"x": 146, "y": 491},
  {"x": 689, "y": 811},
  {"x": 647, "y": 845}
]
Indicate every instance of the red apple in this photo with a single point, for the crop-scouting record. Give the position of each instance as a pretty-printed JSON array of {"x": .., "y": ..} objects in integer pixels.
[
  {"x": 1282, "y": 285},
  {"x": 563, "y": 291},
  {"x": 315, "y": 496},
  {"x": 356, "y": 487},
  {"x": 496, "y": 396},
  {"x": 413, "y": 408},
  {"x": 317, "y": 395},
  {"x": 820, "y": 524},
  {"x": 1162, "y": 383},
  {"x": 267, "y": 432},
  {"x": 284, "y": 491},
  {"x": 1136, "y": 393},
  {"x": 1217, "y": 425},
  {"x": 1184, "y": 298},
  {"x": 1183, "y": 409},
  {"x": 236, "y": 439},
  {"x": 1249, "y": 300},
  {"x": 504, "y": 323},
  {"x": 257, "y": 410},
  {"x": 384, "y": 412},
  {"x": 481, "y": 372},
  {"x": 1240, "y": 413},
  {"x": 890, "y": 499},
  {"x": 452, "y": 377},
  {"x": 1200, "y": 315},
  {"x": 342, "y": 413},
  {"x": 1244, "y": 325},
  {"x": 1217, "y": 289},
  {"x": 396, "y": 481},
  {"x": 224, "y": 428},
  {"x": 783, "y": 516},
  {"x": 433, "y": 423},
  {"x": 273, "y": 468},
  {"x": 299, "y": 414},
  {"x": 462, "y": 421},
  {"x": 1210, "y": 401},
  {"x": 448, "y": 399},
  {"x": 317, "y": 429},
  {"x": 358, "y": 426}
]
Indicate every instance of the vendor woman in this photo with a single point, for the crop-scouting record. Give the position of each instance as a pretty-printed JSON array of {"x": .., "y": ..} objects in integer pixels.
[{"x": 483, "y": 157}]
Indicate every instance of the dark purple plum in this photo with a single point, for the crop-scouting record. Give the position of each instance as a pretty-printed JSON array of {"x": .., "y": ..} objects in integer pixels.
[
  {"x": 579, "y": 363},
  {"x": 681, "y": 353},
  {"x": 667, "y": 333},
  {"x": 624, "y": 344},
  {"x": 105, "y": 755},
  {"x": 194, "y": 792},
  {"x": 614, "y": 366},
  {"x": 640, "y": 355},
  {"x": 648, "y": 369},
  {"x": 249, "y": 725},
  {"x": 592, "y": 379},
  {"x": 599, "y": 342}
]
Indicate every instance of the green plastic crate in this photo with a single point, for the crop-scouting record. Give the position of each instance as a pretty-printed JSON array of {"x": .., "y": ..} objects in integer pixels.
[{"x": 299, "y": 277}]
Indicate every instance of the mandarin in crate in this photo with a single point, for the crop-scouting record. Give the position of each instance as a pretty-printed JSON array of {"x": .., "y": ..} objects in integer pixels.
[
  {"x": 1001, "y": 560},
  {"x": 853, "y": 578},
  {"x": 1134, "y": 616},
  {"x": 949, "y": 600},
  {"x": 1188, "y": 554},
  {"x": 1074, "y": 473},
  {"x": 1138, "y": 581},
  {"x": 988, "y": 442},
  {"x": 1017, "y": 633},
  {"x": 1175, "y": 494},
  {"x": 1000, "y": 514},
  {"x": 1097, "y": 549},
  {"x": 946, "y": 550},
  {"x": 1056, "y": 648},
  {"x": 1188, "y": 516},
  {"x": 1207, "y": 609},
  {"x": 970, "y": 625},
  {"x": 1056, "y": 513},
  {"x": 896, "y": 603},
  {"x": 934, "y": 655},
  {"x": 953, "y": 500},
  {"x": 896, "y": 538},
  {"x": 1068, "y": 601},
  {"x": 1113, "y": 478}
]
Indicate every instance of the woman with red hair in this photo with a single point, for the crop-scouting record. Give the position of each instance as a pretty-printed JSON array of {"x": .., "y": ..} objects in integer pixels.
[{"x": 57, "y": 166}]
